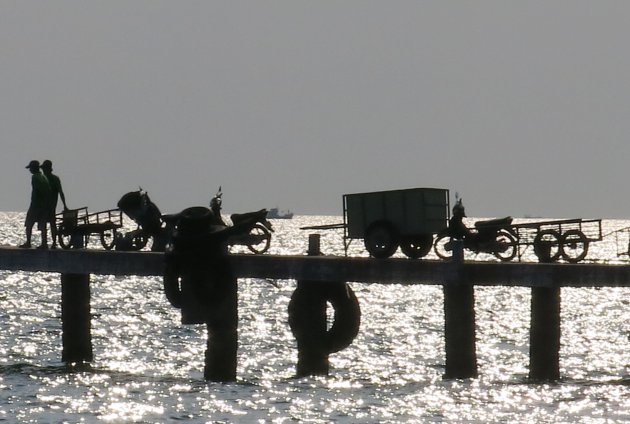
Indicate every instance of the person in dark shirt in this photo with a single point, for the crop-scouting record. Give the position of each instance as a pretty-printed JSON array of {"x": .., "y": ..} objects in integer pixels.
[
  {"x": 456, "y": 224},
  {"x": 56, "y": 193},
  {"x": 39, "y": 207}
]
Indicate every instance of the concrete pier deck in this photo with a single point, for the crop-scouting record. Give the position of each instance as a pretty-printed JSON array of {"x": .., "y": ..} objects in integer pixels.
[{"x": 328, "y": 268}]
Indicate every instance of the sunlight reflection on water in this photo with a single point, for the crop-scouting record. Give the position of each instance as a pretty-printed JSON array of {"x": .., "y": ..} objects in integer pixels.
[{"x": 149, "y": 368}]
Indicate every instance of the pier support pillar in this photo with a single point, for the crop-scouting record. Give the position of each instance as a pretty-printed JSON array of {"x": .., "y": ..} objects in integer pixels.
[
  {"x": 76, "y": 318},
  {"x": 312, "y": 351},
  {"x": 459, "y": 321},
  {"x": 222, "y": 344},
  {"x": 544, "y": 351}
]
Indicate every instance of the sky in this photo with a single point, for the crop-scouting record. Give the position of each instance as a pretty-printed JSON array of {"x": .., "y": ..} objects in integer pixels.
[{"x": 523, "y": 108}]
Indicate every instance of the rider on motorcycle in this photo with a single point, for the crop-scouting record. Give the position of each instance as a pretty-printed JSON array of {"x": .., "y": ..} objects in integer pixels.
[{"x": 456, "y": 224}]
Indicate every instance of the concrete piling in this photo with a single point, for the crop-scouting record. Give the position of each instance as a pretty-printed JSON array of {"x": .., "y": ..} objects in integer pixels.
[
  {"x": 459, "y": 321},
  {"x": 76, "y": 323},
  {"x": 457, "y": 277},
  {"x": 544, "y": 347}
]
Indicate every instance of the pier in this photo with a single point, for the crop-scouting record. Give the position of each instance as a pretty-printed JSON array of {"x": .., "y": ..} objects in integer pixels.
[{"x": 458, "y": 278}]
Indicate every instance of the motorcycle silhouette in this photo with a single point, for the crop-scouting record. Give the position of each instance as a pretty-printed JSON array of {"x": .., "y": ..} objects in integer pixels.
[
  {"x": 153, "y": 225},
  {"x": 495, "y": 236},
  {"x": 258, "y": 239},
  {"x": 138, "y": 206}
]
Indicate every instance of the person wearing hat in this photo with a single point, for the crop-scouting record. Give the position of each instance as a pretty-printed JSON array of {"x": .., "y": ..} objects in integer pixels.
[
  {"x": 40, "y": 205},
  {"x": 456, "y": 224},
  {"x": 56, "y": 192}
]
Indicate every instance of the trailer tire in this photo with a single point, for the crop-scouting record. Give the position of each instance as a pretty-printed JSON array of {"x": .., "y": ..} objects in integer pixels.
[
  {"x": 108, "y": 238},
  {"x": 381, "y": 240},
  {"x": 417, "y": 246},
  {"x": 574, "y": 246},
  {"x": 547, "y": 246}
]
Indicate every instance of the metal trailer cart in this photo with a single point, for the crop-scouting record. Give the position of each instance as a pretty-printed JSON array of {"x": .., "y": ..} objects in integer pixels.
[
  {"x": 568, "y": 239},
  {"x": 75, "y": 226},
  {"x": 386, "y": 220},
  {"x": 622, "y": 241}
]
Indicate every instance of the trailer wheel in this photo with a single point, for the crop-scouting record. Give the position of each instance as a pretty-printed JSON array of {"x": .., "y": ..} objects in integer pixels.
[
  {"x": 547, "y": 246},
  {"x": 108, "y": 238},
  {"x": 66, "y": 240},
  {"x": 574, "y": 246},
  {"x": 381, "y": 240},
  {"x": 417, "y": 246},
  {"x": 443, "y": 246}
]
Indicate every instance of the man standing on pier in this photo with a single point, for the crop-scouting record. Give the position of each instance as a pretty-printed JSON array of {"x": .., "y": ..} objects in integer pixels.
[
  {"x": 39, "y": 208},
  {"x": 56, "y": 192}
]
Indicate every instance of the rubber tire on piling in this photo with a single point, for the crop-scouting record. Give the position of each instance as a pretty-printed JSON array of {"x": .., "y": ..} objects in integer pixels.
[
  {"x": 172, "y": 289},
  {"x": 312, "y": 295}
]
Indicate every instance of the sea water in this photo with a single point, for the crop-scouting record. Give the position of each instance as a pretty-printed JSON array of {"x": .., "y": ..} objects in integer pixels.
[{"x": 148, "y": 367}]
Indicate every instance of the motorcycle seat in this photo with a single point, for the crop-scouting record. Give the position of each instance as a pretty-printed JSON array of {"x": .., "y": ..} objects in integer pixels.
[
  {"x": 248, "y": 216},
  {"x": 498, "y": 222}
]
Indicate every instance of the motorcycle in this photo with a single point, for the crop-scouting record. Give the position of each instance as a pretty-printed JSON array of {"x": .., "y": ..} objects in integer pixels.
[
  {"x": 138, "y": 206},
  {"x": 494, "y": 236},
  {"x": 258, "y": 239}
]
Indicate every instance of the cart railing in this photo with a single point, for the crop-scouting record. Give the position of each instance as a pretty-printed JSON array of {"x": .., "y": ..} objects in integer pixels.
[
  {"x": 528, "y": 231},
  {"x": 110, "y": 216},
  {"x": 72, "y": 218},
  {"x": 551, "y": 240}
]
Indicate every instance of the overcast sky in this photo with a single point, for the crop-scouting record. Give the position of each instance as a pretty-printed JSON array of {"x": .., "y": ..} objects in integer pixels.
[{"x": 521, "y": 107}]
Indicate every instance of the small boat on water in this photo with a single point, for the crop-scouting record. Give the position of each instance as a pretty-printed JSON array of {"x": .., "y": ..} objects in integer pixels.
[{"x": 275, "y": 213}]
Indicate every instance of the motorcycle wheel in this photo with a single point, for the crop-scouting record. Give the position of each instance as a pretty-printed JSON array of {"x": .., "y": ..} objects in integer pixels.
[
  {"x": 418, "y": 246},
  {"x": 259, "y": 239},
  {"x": 442, "y": 246},
  {"x": 507, "y": 240},
  {"x": 139, "y": 241}
]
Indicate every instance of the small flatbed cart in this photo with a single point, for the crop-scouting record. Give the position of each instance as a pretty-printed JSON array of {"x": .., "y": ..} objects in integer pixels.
[
  {"x": 75, "y": 226},
  {"x": 568, "y": 239}
]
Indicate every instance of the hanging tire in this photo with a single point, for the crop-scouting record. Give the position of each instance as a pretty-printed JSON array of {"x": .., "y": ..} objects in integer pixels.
[
  {"x": 309, "y": 299},
  {"x": 547, "y": 246},
  {"x": 574, "y": 246},
  {"x": 417, "y": 246},
  {"x": 381, "y": 240},
  {"x": 259, "y": 239},
  {"x": 508, "y": 247},
  {"x": 172, "y": 289}
]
